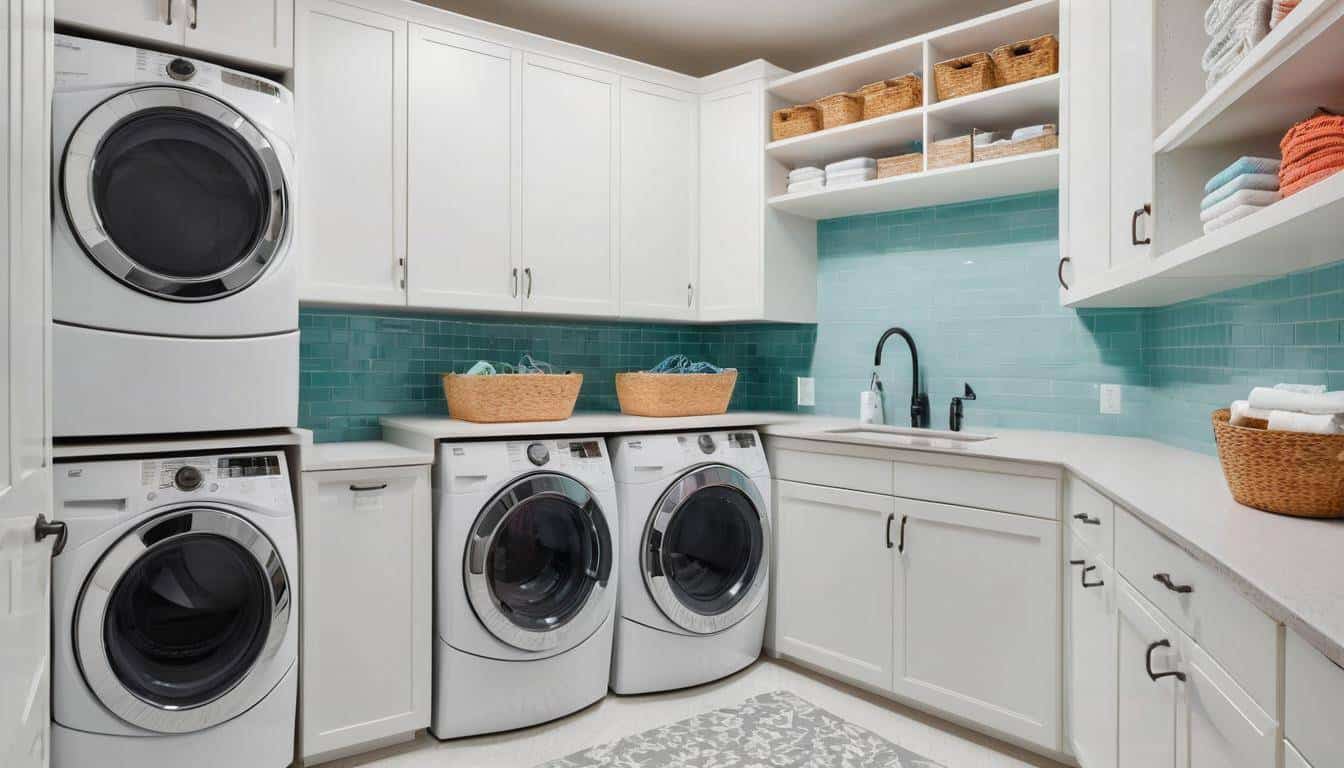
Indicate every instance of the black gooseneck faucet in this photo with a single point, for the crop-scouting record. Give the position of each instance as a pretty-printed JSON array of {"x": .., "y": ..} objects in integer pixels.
[{"x": 919, "y": 402}]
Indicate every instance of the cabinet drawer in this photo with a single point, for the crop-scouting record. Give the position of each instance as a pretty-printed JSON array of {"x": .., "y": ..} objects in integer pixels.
[
  {"x": 848, "y": 472},
  {"x": 981, "y": 488},
  {"x": 1226, "y": 729},
  {"x": 1212, "y": 611},
  {"x": 1313, "y": 700},
  {"x": 1091, "y": 516}
]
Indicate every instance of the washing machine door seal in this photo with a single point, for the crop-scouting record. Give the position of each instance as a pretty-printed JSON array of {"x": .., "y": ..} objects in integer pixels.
[
  {"x": 538, "y": 564},
  {"x": 705, "y": 553},
  {"x": 179, "y": 618},
  {"x": 174, "y": 193}
]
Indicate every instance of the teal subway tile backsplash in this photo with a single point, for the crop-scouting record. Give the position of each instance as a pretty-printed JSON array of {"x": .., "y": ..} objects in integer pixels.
[{"x": 357, "y": 366}]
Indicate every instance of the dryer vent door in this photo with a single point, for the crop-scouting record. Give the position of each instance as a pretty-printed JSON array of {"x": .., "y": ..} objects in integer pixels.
[{"x": 174, "y": 193}]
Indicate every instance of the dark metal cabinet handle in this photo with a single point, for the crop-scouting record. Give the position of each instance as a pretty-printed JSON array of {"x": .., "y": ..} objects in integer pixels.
[
  {"x": 514, "y": 293},
  {"x": 195, "y": 13},
  {"x": 1077, "y": 562},
  {"x": 690, "y": 294},
  {"x": 45, "y": 528},
  {"x": 527, "y": 273},
  {"x": 1159, "y": 675},
  {"x": 901, "y": 546},
  {"x": 1059, "y": 273},
  {"x": 890, "y": 519},
  {"x": 168, "y": 12},
  {"x": 359, "y": 488},
  {"x": 1087, "y": 520},
  {"x": 1087, "y": 584},
  {"x": 1134, "y": 224},
  {"x": 1165, "y": 580}
]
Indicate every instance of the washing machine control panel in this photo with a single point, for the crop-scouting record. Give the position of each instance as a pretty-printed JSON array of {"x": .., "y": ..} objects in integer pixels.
[
  {"x": 202, "y": 477},
  {"x": 582, "y": 457},
  {"x": 740, "y": 448}
]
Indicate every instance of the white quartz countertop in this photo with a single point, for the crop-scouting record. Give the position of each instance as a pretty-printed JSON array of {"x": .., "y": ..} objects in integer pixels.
[{"x": 323, "y": 457}]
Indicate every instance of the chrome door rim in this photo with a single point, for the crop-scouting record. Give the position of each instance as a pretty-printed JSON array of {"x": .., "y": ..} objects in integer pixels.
[
  {"x": 91, "y": 614},
  {"x": 77, "y": 168},
  {"x": 481, "y": 539},
  {"x": 651, "y": 553}
]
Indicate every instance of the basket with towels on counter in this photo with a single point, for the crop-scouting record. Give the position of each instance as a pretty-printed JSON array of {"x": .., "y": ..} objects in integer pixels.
[
  {"x": 500, "y": 392},
  {"x": 678, "y": 386},
  {"x": 1282, "y": 450}
]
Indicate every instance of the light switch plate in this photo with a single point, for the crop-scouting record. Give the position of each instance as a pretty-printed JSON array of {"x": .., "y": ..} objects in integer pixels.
[
  {"x": 807, "y": 390},
  {"x": 1112, "y": 401}
]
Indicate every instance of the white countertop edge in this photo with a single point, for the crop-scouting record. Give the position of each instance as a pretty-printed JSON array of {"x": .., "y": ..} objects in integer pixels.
[
  {"x": 85, "y": 448},
  {"x": 365, "y": 454}
]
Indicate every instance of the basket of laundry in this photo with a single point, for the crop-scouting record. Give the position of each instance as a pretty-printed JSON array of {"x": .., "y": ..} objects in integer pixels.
[
  {"x": 1285, "y": 472},
  {"x": 530, "y": 391},
  {"x": 677, "y": 386}
]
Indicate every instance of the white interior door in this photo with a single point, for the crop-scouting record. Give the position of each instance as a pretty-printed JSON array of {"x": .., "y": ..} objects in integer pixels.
[
  {"x": 25, "y": 413},
  {"x": 570, "y": 188},
  {"x": 463, "y": 171},
  {"x": 1146, "y": 728},
  {"x": 1131, "y": 134},
  {"x": 256, "y": 30}
]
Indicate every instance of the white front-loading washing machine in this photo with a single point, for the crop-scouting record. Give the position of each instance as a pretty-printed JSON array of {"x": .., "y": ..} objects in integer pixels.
[
  {"x": 174, "y": 286},
  {"x": 174, "y": 613},
  {"x": 525, "y": 582},
  {"x": 694, "y": 578}
]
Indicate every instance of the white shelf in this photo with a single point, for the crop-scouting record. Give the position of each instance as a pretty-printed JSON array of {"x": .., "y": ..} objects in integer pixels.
[
  {"x": 1035, "y": 172},
  {"x": 852, "y": 72},
  {"x": 879, "y": 137},
  {"x": 1299, "y": 66},
  {"x": 985, "y": 33},
  {"x": 1294, "y": 234},
  {"x": 1012, "y": 106}
]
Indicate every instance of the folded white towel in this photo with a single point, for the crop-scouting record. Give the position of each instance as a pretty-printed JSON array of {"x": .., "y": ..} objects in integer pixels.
[
  {"x": 806, "y": 173},
  {"x": 1264, "y": 181},
  {"x": 1291, "y": 421},
  {"x": 852, "y": 164},
  {"x": 1305, "y": 389},
  {"x": 1242, "y": 411},
  {"x": 1270, "y": 399},
  {"x": 851, "y": 178},
  {"x": 1032, "y": 131},
  {"x": 1235, "y": 27},
  {"x": 1236, "y": 214},
  {"x": 1257, "y": 197},
  {"x": 811, "y": 185}
]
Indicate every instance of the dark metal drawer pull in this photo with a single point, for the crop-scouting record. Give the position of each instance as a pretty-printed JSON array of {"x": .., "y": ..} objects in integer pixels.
[
  {"x": 1165, "y": 580},
  {"x": 1159, "y": 675},
  {"x": 1134, "y": 225},
  {"x": 1086, "y": 583},
  {"x": 358, "y": 488},
  {"x": 901, "y": 546},
  {"x": 890, "y": 519},
  {"x": 1087, "y": 520},
  {"x": 1077, "y": 562}
]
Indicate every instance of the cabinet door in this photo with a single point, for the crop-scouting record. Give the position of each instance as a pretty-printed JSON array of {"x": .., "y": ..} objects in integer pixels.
[
  {"x": 1131, "y": 135},
  {"x": 659, "y": 185},
  {"x": 1092, "y": 658},
  {"x": 978, "y": 616},
  {"x": 570, "y": 157},
  {"x": 833, "y": 573},
  {"x": 150, "y": 20},
  {"x": 462, "y": 173},
  {"x": 1226, "y": 728},
  {"x": 1086, "y": 133},
  {"x": 350, "y": 93},
  {"x": 1146, "y": 727},
  {"x": 366, "y": 660},
  {"x": 732, "y": 126},
  {"x": 255, "y": 30}
]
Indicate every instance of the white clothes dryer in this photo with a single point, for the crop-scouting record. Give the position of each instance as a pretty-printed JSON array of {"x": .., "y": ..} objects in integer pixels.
[
  {"x": 695, "y": 534},
  {"x": 526, "y": 543},
  {"x": 174, "y": 291},
  {"x": 174, "y": 613}
]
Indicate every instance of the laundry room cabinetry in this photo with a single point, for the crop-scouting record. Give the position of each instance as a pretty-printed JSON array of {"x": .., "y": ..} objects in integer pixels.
[
  {"x": 365, "y": 533},
  {"x": 258, "y": 32}
]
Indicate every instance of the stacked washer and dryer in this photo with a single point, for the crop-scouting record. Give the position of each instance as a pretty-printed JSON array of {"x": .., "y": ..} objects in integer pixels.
[{"x": 175, "y": 311}]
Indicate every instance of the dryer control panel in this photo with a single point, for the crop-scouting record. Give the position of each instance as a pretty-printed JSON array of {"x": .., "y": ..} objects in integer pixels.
[
  {"x": 472, "y": 467},
  {"x": 646, "y": 458}
]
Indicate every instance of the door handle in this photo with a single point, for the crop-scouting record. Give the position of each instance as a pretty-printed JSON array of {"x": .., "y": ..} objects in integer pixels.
[
  {"x": 890, "y": 519},
  {"x": 168, "y": 12},
  {"x": 1090, "y": 584},
  {"x": 194, "y": 6},
  {"x": 900, "y": 548},
  {"x": 1059, "y": 272},
  {"x": 1087, "y": 520},
  {"x": 1159, "y": 675},
  {"x": 527, "y": 273},
  {"x": 1134, "y": 224},
  {"x": 1165, "y": 580},
  {"x": 44, "y": 528},
  {"x": 514, "y": 292}
]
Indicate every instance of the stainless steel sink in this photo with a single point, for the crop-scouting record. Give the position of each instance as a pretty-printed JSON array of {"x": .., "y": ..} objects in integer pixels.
[{"x": 910, "y": 436}]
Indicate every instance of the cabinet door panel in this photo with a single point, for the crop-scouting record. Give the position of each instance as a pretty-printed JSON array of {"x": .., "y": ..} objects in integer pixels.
[
  {"x": 833, "y": 574},
  {"x": 1086, "y": 133},
  {"x": 151, "y": 20},
  {"x": 255, "y": 30},
  {"x": 460, "y": 173},
  {"x": 1092, "y": 658},
  {"x": 569, "y": 188},
  {"x": 731, "y": 198},
  {"x": 977, "y": 616},
  {"x": 1131, "y": 134},
  {"x": 1227, "y": 729},
  {"x": 1147, "y": 725},
  {"x": 351, "y": 98},
  {"x": 659, "y": 185}
]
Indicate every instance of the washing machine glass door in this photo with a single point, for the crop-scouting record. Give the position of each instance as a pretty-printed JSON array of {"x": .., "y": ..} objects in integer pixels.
[
  {"x": 178, "y": 617},
  {"x": 174, "y": 193},
  {"x": 706, "y": 561},
  {"x": 538, "y": 564}
]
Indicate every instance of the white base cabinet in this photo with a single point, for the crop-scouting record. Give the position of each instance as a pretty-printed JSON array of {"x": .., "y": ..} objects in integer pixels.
[
  {"x": 1091, "y": 693},
  {"x": 365, "y": 665},
  {"x": 250, "y": 31}
]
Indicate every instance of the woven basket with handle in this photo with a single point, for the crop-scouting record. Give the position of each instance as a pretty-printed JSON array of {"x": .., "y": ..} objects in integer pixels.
[
  {"x": 675, "y": 394},
  {"x": 839, "y": 109},
  {"x": 1026, "y": 60},
  {"x": 891, "y": 96},
  {"x": 509, "y": 397},
  {"x": 1023, "y": 147},
  {"x": 963, "y": 76},
  {"x": 1288, "y": 473},
  {"x": 899, "y": 165},
  {"x": 794, "y": 121}
]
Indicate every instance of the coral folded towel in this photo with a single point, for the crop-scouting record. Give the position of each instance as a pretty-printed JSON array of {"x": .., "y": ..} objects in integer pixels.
[
  {"x": 1270, "y": 399},
  {"x": 1255, "y": 197},
  {"x": 1281, "y": 9},
  {"x": 1242, "y": 167},
  {"x": 1290, "y": 421},
  {"x": 1313, "y": 150},
  {"x": 1261, "y": 181}
]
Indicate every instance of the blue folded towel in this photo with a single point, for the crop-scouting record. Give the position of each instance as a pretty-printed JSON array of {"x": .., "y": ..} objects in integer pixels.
[
  {"x": 1241, "y": 167},
  {"x": 1265, "y": 181}
]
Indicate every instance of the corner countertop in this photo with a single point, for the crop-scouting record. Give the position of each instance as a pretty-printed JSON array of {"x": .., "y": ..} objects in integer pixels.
[{"x": 1289, "y": 567}]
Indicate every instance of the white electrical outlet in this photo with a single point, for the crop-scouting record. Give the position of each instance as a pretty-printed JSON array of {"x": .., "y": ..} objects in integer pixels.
[
  {"x": 807, "y": 390},
  {"x": 1112, "y": 401}
]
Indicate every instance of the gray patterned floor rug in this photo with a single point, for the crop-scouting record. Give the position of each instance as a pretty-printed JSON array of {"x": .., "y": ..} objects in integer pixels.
[{"x": 772, "y": 730}]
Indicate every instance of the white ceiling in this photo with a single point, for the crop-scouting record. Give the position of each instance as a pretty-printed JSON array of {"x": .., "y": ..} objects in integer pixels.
[{"x": 703, "y": 36}]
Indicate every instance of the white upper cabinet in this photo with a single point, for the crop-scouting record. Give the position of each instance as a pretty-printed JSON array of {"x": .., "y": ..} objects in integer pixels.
[
  {"x": 463, "y": 173},
  {"x": 1085, "y": 197},
  {"x": 350, "y": 89},
  {"x": 570, "y": 152},
  {"x": 253, "y": 31},
  {"x": 731, "y": 194},
  {"x": 1131, "y": 133},
  {"x": 659, "y": 188}
]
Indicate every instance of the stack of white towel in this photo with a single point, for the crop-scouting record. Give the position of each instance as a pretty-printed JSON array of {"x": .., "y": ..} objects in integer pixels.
[
  {"x": 1234, "y": 28},
  {"x": 809, "y": 179},
  {"x": 1293, "y": 408},
  {"x": 1242, "y": 188},
  {"x": 852, "y": 171}
]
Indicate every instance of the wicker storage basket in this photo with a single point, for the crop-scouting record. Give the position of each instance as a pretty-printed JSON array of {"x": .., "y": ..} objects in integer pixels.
[
  {"x": 675, "y": 394},
  {"x": 1289, "y": 473},
  {"x": 963, "y": 76},
  {"x": 512, "y": 396},
  {"x": 1026, "y": 60},
  {"x": 1037, "y": 144},
  {"x": 794, "y": 121},
  {"x": 948, "y": 152},
  {"x": 900, "y": 165},
  {"x": 839, "y": 109},
  {"x": 891, "y": 96}
]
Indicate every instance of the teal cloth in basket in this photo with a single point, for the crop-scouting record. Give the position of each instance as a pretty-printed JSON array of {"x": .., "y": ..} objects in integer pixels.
[
  {"x": 1242, "y": 167},
  {"x": 684, "y": 364},
  {"x": 1265, "y": 181}
]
